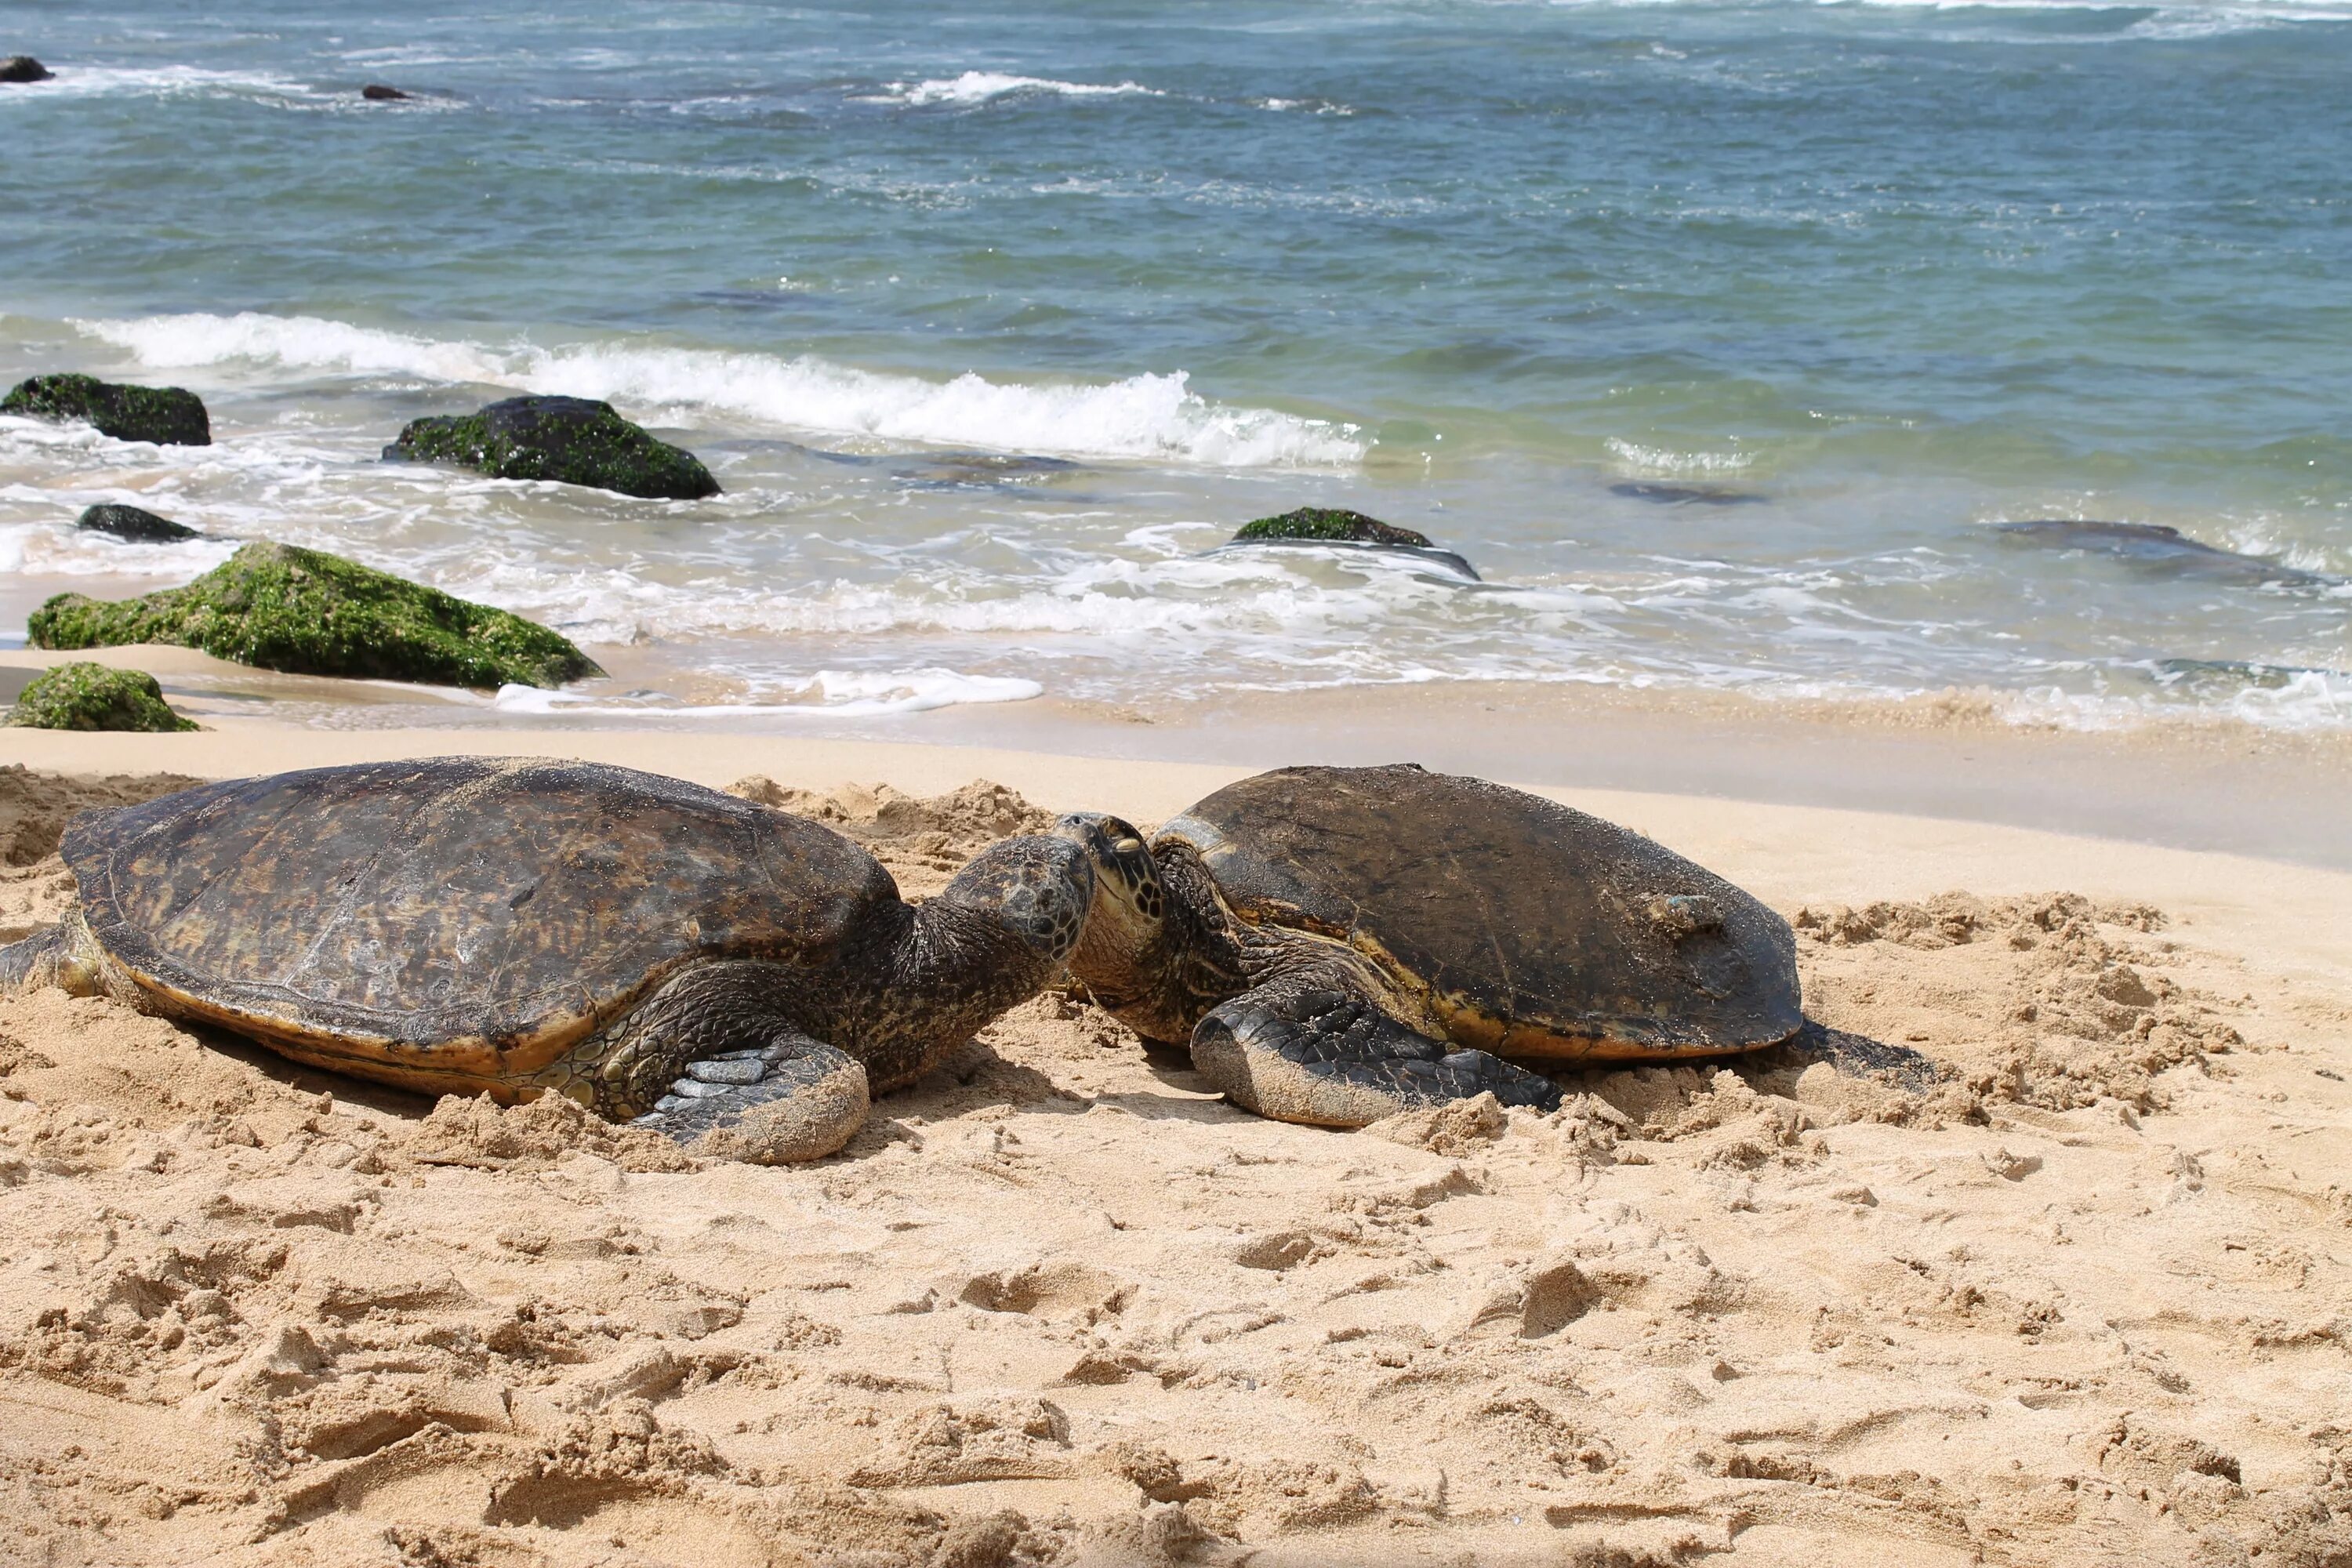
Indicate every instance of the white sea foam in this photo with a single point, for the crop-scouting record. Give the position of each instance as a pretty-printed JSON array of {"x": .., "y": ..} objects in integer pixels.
[
  {"x": 828, "y": 694},
  {"x": 1150, "y": 417},
  {"x": 980, "y": 87},
  {"x": 161, "y": 81},
  {"x": 1661, "y": 461}
]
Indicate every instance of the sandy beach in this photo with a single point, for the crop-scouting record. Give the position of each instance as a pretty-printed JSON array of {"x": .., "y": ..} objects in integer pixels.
[{"x": 2084, "y": 1301}]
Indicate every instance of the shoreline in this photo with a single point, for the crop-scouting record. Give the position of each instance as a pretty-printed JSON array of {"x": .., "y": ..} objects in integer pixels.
[{"x": 2223, "y": 787}]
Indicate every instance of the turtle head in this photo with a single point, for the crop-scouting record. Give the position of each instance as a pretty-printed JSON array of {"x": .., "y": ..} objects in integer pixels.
[
  {"x": 1035, "y": 887},
  {"x": 1125, "y": 929}
]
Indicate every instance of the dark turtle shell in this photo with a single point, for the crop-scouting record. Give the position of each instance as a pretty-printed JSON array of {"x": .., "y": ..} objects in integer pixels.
[
  {"x": 442, "y": 920},
  {"x": 1533, "y": 930}
]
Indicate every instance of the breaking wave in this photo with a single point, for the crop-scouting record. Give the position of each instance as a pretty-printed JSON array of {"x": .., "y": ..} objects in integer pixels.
[{"x": 1153, "y": 416}]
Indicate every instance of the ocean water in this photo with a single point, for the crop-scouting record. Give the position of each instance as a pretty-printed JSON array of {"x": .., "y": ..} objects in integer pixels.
[{"x": 1723, "y": 337}]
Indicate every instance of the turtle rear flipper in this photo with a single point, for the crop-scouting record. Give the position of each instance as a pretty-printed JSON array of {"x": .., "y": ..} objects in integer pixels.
[
  {"x": 793, "y": 1098},
  {"x": 1315, "y": 1048}
]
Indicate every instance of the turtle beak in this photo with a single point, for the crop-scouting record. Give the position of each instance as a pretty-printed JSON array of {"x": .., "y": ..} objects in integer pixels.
[
  {"x": 1126, "y": 915},
  {"x": 1103, "y": 836}
]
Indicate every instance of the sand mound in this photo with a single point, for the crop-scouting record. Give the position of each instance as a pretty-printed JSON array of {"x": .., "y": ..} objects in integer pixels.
[
  {"x": 2059, "y": 1002},
  {"x": 2081, "y": 1301},
  {"x": 928, "y": 838},
  {"x": 35, "y": 887}
]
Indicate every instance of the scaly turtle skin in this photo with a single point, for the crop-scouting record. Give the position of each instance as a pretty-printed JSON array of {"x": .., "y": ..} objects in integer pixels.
[
  {"x": 1338, "y": 944},
  {"x": 737, "y": 977}
]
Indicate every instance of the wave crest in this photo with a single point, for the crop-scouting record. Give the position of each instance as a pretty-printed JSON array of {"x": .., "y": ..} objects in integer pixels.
[{"x": 1154, "y": 416}]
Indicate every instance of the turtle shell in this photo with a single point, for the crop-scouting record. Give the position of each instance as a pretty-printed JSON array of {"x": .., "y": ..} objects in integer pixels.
[
  {"x": 460, "y": 921},
  {"x": 1531, "y": 929}
]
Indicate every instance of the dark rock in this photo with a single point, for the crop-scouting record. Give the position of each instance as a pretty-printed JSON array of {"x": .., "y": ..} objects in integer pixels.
[
  {"x": 1346, "y": 530},
  {"x": 92, "y": 696},
  {"x": 167, "y": 415},
  {"x": 1685, "y": 495},
  {"x": 573, "y": 440},
  {"x": 2155, "y": 548},
  {"x": 982, "y": 471},
  {"x": 377, "y": 93},
  {"x": 1327, "y": 524},
  {"x": 279, "y": 606},
  {"x": 131, "y": 522},
  {"x": 23, "y": 68}
]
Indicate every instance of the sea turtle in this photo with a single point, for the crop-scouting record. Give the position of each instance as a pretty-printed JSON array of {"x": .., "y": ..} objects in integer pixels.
[
  {"x": 1338, "y": 944},
  {"x": 732, "y": 976}
]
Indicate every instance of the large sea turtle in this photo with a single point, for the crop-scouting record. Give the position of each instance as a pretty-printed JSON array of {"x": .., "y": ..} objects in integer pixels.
[
  {"x": 732, "y": 976},
  {"x": 1338, "y": 944}
]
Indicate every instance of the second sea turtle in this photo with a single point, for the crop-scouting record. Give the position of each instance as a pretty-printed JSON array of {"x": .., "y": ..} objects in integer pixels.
[{"x": 1338, "y": 944}]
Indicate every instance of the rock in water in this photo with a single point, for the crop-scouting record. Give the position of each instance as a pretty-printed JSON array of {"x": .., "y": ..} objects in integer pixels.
[
  {"x": 1334, "y": 525},
  {"x": 2156, "y": 548},
  {"x": 277, "y": 607},
  {"x": 23, "y": 68},
  {"x": 379, "y": 92},
  {"x": 131, "y": 522},
  {"x": 84, "y": 696},
  {"x": 574, "y": 439},
  {"x": 1327, "y": 524},
  {"x": 167, "y": 415}
]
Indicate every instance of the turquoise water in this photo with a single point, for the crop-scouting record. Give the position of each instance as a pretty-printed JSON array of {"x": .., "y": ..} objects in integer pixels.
[{"x": 1871, "y": 280}]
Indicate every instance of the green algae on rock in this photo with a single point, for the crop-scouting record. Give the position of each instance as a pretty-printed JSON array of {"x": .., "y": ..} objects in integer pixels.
[
  {"x": 84, "y": 696},
  {"x": 1348, "y": 530},
  {"x": 167, "y": 415},
  {"x": 576, "y": 440},
  {"x": 1331, "y": 523},
  {"x": 279, "y": 606}
]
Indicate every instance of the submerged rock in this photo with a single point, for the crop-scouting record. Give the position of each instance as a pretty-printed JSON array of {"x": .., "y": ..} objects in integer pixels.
[
  {"x": 167, "y": 415},
  {"x": 83, "y": 696},
  {"x": 1336, "y": 526},
  {"x": 381, "y": 92},
  {"x": 2155, "y": 546},
  {"x": 575, "y": 440},
  {"x": 133, "y": 523},
  {"x": 23, "y": 68},
  {"x": 277, "y": 607},
  {"x": 1685, "y": 495}
]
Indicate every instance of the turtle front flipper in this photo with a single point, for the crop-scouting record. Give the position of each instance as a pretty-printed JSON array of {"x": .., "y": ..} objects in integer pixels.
[
  {"x": 1314, "y": 1048},
  {"x": 793, "y": 1098},
  {"x": 721, "y": 1060}
]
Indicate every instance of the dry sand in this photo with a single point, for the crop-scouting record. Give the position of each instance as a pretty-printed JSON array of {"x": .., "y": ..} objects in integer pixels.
[{"x": 2087, "y": 1301}]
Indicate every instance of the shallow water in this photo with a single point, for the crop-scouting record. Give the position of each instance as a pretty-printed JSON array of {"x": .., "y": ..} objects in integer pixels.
[{"x": 1720, "y": 337}]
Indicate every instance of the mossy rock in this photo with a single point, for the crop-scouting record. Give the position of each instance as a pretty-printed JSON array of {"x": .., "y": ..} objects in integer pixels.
[
  {"x": 1334, "y": 525},
  {"x": 167, "y": 415},
  {"x": 135, "y": 524},
  {"x": 82, "y": 696},
  {"x": 277, "y": 607},
  {"x": 1331, "y": 523},
  {"x": 23, "y": 68},
  {"x": 575, "y": 440}
]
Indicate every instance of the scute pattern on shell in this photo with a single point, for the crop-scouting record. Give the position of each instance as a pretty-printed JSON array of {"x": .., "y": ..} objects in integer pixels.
[
  {"x": 1533, "y": 929},
  {"x": 466, "y": 915}
]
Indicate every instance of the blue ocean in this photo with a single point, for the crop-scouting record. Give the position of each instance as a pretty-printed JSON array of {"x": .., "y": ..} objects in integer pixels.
[{"x": 1732, "y": 343}]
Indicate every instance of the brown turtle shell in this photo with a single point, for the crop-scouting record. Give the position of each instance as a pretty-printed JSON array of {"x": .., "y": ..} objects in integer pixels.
[
  {"x": 1531, "y": 929},
  {"x": 457, "y": 918}
]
